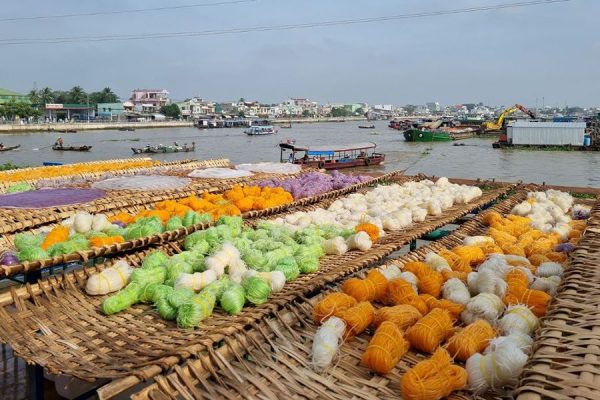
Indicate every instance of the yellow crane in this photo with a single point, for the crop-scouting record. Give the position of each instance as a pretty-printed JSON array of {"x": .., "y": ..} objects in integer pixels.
[{"x": 498, "y": 125}]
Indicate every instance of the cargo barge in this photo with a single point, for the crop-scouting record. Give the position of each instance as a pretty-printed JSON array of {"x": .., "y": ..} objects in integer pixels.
[{"x": 546, "y": 135}]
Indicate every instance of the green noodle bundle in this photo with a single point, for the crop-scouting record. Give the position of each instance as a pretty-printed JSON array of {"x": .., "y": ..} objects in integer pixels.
[
  {"x": 255, "y": 259},
  {"x": 289, "y": 267},
  {"x": 179, "y": 297},
  {"x": 257, "y": 290},
  {"x": 32, "y": 254},
  {"x": 27, "y": 240},
  {"x": 174, "y": 223},
  {"x": 123, "y": 299},
  {"x": 154, "y": 291},
  {"x": 175, "y": 268},
  {"x": 145, "y": 276},
  {"x": 196, "y": 241},
  {"x": 155, "y": 259},
  {"x": 234, "y": 224},
  {"x": 233, "y": 298},
  {"x": 165, "y": 309},
  {"x": 196, "y": 310}
]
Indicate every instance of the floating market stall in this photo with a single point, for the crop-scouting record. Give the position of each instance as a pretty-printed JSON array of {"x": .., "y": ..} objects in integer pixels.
[
  {"x": 136, "y": 344},
  {"x": 293, "y": 353}
]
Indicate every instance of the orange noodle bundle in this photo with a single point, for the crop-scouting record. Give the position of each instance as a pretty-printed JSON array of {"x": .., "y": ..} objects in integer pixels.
[
  {"x": 454, "y": 274},
  {"x": 430, "y": 280},
  {"x": 456, "y": 262},
  {"x": 557, "y": 257},
  {"x": 514, "y": 249},
  {"x": 453, "y": 308},
  {"x": 537, "y": 259},
  {"x": 471, "y": 254},
  {"x": 332, "y": 304},
  {"x": 357, "y": 318},
  {"x": 540, "y": 246},
  {"x": 385, "y": 348},
  {"x": 501, "y": 236},
  {"x": 402, "y": 315},
  {"x": 427, "y": 334},
  {"x": 402, "y": 292},
  {"x": 492, "y": 217},
  {"x": 536, "y": 300},
  {"x": 489, "y": 248},
  {"x": 516, "y": 279},
  {"x": 474, "y": 338},
  {"x": 433, "y": 379},
  {"x": 369, "y": 229},
  {"x": 57, "y": 235},
  {"x": 374, "y": 287}
]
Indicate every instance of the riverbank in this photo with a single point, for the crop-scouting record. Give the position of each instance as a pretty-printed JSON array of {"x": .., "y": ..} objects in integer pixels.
[
  {"x": 90, "y": 126},
  {"x": 85, "y": 126}
]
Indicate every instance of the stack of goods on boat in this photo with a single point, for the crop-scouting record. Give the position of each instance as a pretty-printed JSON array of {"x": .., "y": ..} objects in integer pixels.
[{"x": 472, "y": 309}]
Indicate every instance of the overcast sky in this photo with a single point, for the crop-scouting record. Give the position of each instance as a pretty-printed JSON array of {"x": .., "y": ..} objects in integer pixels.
[{"x": 498, "y": 57}]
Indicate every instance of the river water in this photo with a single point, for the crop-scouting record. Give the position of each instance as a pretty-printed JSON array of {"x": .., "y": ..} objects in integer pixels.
[{"x": 477, "y": 159}]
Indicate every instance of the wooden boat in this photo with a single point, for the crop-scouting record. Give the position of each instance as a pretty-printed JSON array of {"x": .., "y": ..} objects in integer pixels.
[
  {"x": 366, "y": 126},
  {"x": 71, "y": 148},
  {"x": 400, "y": 125},
  {"x": 66, "y": 130},
  {"x": 287, "y": 126},
  {"x": 332, "y": 157},
  {"x": 260, "y": 130},
  {"x": 163, "y": 149},
  {"x": 127, "y": 129},
  {"x": 9, "y": 148}
]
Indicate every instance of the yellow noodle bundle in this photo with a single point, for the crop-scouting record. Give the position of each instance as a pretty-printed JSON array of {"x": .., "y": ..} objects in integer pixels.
[
  {"x": 540, "y": 246},
  {"x": 501, "y": 237},
  {"x": 402, "y": 315},
  {"x": 456, "y": 262},
  {"x": 374, "y": 287},
  {"x": 474, "y": 255},
  {"x": 427, "y": 334},
  {"x": 332, "y": 304},
  {"x": 490, "y": 248},
  {"x": 557, "y": 257},
  {"x": 474, "y": 338},
  {"x": 357, "y": 318},
  {"x": 492, "y": 217},
  {"x": 402, "y": 292},
  {"x": 385, "y": 348},
  {"x": 537, "y": 259},
  {"x": 453, "y": 308},
  {"x": 433, "y": 379}
]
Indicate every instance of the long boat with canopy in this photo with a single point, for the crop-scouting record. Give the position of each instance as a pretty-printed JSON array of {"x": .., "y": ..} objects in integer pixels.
[{"x": 331, "y": 157}]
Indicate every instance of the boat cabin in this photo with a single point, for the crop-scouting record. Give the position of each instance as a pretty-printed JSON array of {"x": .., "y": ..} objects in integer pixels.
[{"x": 331, "y": 157}]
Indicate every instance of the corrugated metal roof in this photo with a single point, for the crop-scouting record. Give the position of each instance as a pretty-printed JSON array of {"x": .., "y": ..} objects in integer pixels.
[
  {"x": 546, "y": 133},
  {"x": 547, "y": 124}
]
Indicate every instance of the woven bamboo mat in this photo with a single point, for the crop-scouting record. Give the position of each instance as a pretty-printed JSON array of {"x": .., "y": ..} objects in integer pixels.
[
  {"x": 273, "y": 359},
  {"x": 566, "y": 360},
  {"x": 16, "y": 220},
  {"x": 56, "y": 325},
  {"x": 124, "y": 170},
  {"x": 170, "y": 236}
]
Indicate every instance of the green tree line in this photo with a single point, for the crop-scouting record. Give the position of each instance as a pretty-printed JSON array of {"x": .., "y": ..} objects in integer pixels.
[
  {"x": 75, "y": 95},
  {"x": 13, "y": 109}
]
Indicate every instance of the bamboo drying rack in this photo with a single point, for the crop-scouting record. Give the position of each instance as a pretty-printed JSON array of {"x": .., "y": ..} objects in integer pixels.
[{"x": 136, "y": 345}]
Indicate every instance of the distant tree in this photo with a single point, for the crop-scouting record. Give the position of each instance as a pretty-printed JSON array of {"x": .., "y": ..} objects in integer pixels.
[
  {"x": 409, "y": 108},
  {"x": 171, "y": 110},
  {"x": 241, "y": 114},
  {"x": 339, "y": 112},
  {"x": 46, "y": 96},
  {"x": 359, "y": 111},
  {"x": 306, "y": 113},
  {"x": 13, "y": 109},
  {"x": 77, "y": 95},
  {"x": 34, "y": 96},
  {"x": 61, "y": 97}
]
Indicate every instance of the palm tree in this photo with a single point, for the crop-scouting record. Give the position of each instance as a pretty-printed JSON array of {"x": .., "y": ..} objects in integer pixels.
[
  {"x": 46, "y": 96},
  {"x": 34, "y": 96},
  {"x": 108, "y": 96},
  {"x": 77, "y": 95}
]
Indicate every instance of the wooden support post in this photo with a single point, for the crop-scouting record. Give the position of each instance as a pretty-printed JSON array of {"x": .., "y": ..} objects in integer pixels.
[
  {"x": 35, "y": 382},
  {"x": 413, "y": 245}
]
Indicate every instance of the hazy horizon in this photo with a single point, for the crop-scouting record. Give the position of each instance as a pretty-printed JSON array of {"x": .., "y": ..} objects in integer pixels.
[{"x": 514, "y": 55}]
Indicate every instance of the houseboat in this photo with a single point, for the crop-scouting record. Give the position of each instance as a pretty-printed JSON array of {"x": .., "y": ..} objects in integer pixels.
[{"x": 331, "y": 157}]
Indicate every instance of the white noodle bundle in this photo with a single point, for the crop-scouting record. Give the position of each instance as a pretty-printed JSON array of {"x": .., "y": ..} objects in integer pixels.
[
  {"x": 411, "y": 278},
  {"x": 222, "y": 258},
  {"x": 336, "y": 246},
  {"x": 486, "y": 282},
  {"x": 455, "y": 290},
  {"x": 521, "y": 340},
  {"x": 477, "y": 240},
  {"x": 521, "y": 209},
  {"x": 275, "y": 279},
  {"x": 391, "y": 272},
  {"x": 326, "y": 342},
  {"x": 237, "y": 269},
  {"x": 196, "y": 281},
  {"x": 495, "y": 263},
  {"x": 548, "y": 269},
  {"x": 518, "y": 318},
  {"x": 359, "y": 241},
  {"x": 548, "y": 285},
  {"x": 497, "y": 368},
  {"x": 437, "y": 262},
  {"x": 109, "y": 280},
  {"x": 486, "y": 306}
]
